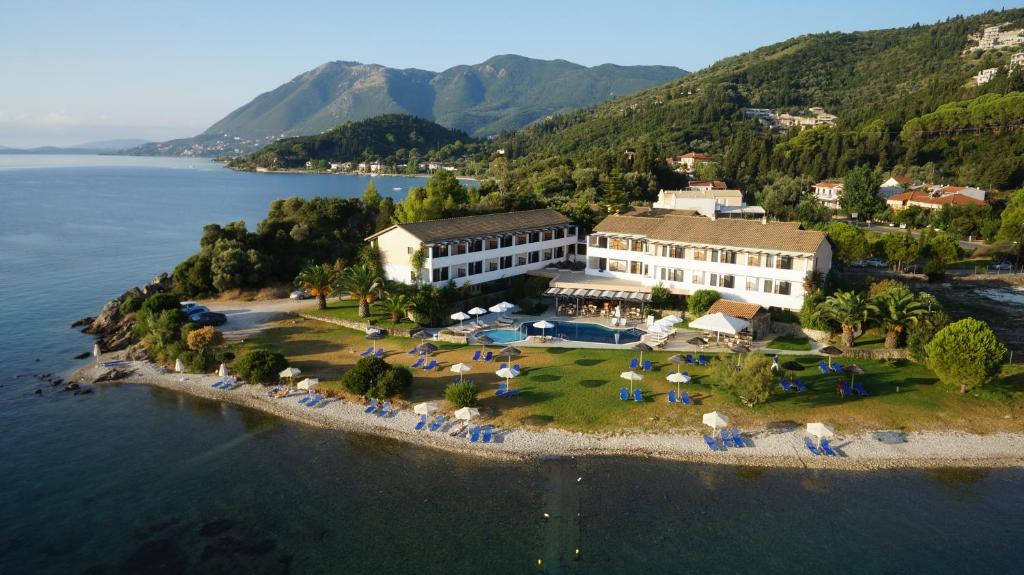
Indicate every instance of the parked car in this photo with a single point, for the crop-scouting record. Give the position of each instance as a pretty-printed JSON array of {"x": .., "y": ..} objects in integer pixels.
[
  {"x": 876, "y": 263},
  {"x": 193, "y": 310},
  {"x": 188, "y": 306},
  {"x": 1003, "y": 266},
  {"x": 300, "y": 294},
  {"x": 903, "y": 226},
  {"x": 206, "y": 318}
]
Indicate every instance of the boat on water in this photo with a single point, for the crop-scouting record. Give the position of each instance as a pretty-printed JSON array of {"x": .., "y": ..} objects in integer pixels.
[{"x": 397, "y": 188}]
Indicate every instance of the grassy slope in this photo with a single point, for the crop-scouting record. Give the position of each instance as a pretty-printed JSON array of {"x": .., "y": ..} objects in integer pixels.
[{"x": 577, "y": 389}]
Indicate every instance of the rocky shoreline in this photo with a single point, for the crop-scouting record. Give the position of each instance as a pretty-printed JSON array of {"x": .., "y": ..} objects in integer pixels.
[{"x": 765, "y": 448}]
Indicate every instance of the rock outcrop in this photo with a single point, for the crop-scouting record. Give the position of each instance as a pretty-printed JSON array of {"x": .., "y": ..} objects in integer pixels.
[{"x": 113, "y": 329}]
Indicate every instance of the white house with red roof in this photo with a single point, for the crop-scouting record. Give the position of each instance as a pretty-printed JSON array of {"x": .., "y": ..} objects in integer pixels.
[{"x": 828, "y": 193}]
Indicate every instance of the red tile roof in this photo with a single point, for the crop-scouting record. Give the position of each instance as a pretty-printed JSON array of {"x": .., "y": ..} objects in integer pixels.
[
  {"x": 925, "y": 198},
  {"x": 715, "y": 184},
  {"x": 697, "y": 156}
]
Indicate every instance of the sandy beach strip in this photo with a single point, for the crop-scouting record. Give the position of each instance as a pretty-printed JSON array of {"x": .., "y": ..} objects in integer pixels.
[{"x": 764, "y": 448}]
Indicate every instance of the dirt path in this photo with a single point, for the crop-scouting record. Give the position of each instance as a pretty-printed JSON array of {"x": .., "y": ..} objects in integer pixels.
[{"x": 246, "y": 318}]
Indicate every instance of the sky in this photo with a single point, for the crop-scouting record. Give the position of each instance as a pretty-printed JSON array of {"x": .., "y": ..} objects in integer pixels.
[{"x": 72, "y": 72}]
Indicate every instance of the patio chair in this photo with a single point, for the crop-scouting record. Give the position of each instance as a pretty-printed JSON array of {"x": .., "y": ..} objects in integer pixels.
[
  {"x": 823, "y": 367},
  {"x": 379, "y": 353},
  {"x": 503, "y": 366},
  {"x": 689, "y": 359},
  {"x": 837, "y": 369},
  {"x": 784, "y": 383},
  {"x": 516, "y": 367},
  {"x": 623, "y": 394},
  {"x": 317, "y": 399},
  {"x": 305, "y": 398},
  {"x": 385, "y": 409},
  {"x": 502, "y": 390},
  {"x": 810, "y": 446},
  {"x": 702, "y": 360},
  {"x": 487, "y": 432},
  {"x": 846, "y": 389},
  {"x": 413, "y": 351}
]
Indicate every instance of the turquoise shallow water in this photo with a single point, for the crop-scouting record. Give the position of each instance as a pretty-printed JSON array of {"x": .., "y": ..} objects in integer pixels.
[{"x": 138, "y": 480}]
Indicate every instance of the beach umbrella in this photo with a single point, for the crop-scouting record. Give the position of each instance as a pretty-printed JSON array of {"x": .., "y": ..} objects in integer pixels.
[
  {"x": 792, "y": 366},
  {"x": 426, "y": 348},
  {"x": 642, "y": 347},
  {"x": 96, "y": 350},
  {"x": 467, "y": 413},
  {"x": 677, "y": 360},
  {"x": 308, "y": 383},
  {"x": 853, "y": 370},
  {"x": 720, "y": 323},
  {"x": 483, "y": 340},
  {"x": 678, "y": 378},
  {"x": 477, "y": 312},
  {"x": 460, "y": 316},
  {"x": 658, "y": 328},
  {"x": 501, "y": 307},
  {"x": 543, "y": 326},
  {"x": 697, "y": 341},
  {"x": 223, "y": 371},
  {"x": 830, "y": 351},
  {"x": 739, "y": 349},
  {"x": 819, "y": 430},
  {"x": 510, "y": 352},
  {"x": 178, "y": 366},
  {"x": 671, "y": 319},
  {"x": 422, "y": 334},
  {"x": 460, "y": 368},
  {"x": 289, "y": 372},
  {"x": 631, "y": 376},
  {"x": 425, "y": 408},
  {"x": 373, "y": 335},
  {"x": 715, "y": 420},
  {"x": 507, "y": 373}
]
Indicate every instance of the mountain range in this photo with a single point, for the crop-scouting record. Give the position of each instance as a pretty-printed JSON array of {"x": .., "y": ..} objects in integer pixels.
[
  {"x": 505, "y": 92},
  {"x": 98, "y": 147}
]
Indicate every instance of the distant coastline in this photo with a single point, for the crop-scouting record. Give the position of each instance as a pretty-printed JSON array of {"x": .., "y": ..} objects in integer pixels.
[{"x": 336, "y": 173}]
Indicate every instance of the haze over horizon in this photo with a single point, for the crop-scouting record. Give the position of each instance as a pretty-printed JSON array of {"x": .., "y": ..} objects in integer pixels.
[{"x": 80, "y": 73}]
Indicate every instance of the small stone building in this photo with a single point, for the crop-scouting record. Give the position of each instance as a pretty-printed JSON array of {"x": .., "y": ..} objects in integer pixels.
[{"x": 759, "y": 318}]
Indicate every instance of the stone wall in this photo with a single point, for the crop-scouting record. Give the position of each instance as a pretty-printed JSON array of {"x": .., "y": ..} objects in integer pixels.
[
  {"x": 363, "y": 326},
  {"x": 879, "y": 354},
  {"x": 796, "y": 330}
]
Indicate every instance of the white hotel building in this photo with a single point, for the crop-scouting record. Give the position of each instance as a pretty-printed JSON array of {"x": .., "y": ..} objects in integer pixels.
[
  {"x": 476, "y": 250},
  {"x": 752, "y": 261}
]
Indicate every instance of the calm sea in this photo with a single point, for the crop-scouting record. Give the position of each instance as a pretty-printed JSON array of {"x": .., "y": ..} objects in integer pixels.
[{"x": 138, "y": 480}]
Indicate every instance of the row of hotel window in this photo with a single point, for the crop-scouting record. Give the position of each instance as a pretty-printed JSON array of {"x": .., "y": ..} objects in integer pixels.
[
  {"x": 507, "y": 241},
  {"x": 697, "y": 277},
  {"x": 443, "y": 274},
  {"x": 699, "y": 254}
]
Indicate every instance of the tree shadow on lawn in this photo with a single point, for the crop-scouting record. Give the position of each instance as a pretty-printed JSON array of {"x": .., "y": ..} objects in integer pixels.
[
  {"x": 544, "y": 378},
  {"x": 537, "y": 420},
  {"x": 591, "y": 383},
  {"x": 588, "y": 362},
  {"x": 310, "y": 347},
  {"x": 559, "y": 350},
  {"x": 319, "y": 368}
]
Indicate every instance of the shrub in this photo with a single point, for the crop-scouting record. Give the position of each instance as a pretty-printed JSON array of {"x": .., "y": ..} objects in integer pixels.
[
  {"x": 157, "y": 303},
  {"x": 260, "y": 366},
  {"x": 935, "y": 269},
  {"x": 461, "y": 394},
  {"x": 966, "y": 353},
  {"x": 193, "y": 360},
  {"x": 751, "y": 382},
  {"x": 809, "y": 317},
  {"x": 204, "y": 338},
  {"x": 224, "y": 356},
  {"x": 661, "y": 298},
  {"x": 701, "y": 301},
  {"x": 375, "y": 377},
  {"x": 922, "y": 333},
  {"x": 393, "y": 381},
  {"x": 131, "y": 304}
]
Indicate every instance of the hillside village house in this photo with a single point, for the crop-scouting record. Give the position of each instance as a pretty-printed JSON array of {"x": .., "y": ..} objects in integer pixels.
[
  {"x": 986, "y": 75},
  {"x": 933, "y": 197},
  {"x": 754, "y": 261},
  {"x": 687, "y": 163},
  {"x": 996, "y": 37},
  {"x": 476, "y": 250},
  {"x": 894, "y": 185},
  {"x": 709, "y": 202},
  {"x": 828, "y": 193},
  {"x": 1016, "y": 60}
]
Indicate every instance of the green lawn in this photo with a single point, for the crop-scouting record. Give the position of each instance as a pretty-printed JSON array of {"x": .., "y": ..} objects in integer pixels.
[
  {"x": 790, "y": 343},
  {"x": 349, "y": 309},
  {"x": 870, "y": 339},
  {"x": 577, "y": 389}
]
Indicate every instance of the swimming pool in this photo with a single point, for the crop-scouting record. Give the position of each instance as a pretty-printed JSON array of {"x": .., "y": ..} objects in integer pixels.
[{"x": 573, "y": 331}]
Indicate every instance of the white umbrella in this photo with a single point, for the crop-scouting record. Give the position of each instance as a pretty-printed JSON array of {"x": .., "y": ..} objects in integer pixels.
[
  {"x": 477, "y": 311},
  {"x": 720, "y": 323},
  {"x": 658, "y": 328},
  {"x": 501, "y": 307},
  {"x": 467, "y": 413},
  {"x": 819, "y": 430},
  {"x": 507, "y": 373},
  {"x": 460, "y": 368},
  {"x": 178, "y": 366},
  {"x": 289, "y": 372},
  {"x": 460, "y": 316},
  {"x": 631, "y": 376},
  {"x": 671, "y": 319},
  {"x": 715, "y": 420},
  {"x": 96, "y": 350},
  {"x": 425, "y": 408},
  {"x": 308, "y": 383},
  {"x": 543, "y": 326},
  {"x": 677, "y": 378},
  {"x": 223, "y": 371}
]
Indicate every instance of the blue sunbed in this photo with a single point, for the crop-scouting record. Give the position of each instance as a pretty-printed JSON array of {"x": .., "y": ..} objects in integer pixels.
[
  {"x": 430, "y": 366},
  {"x": 799, "y": 385},
  {"x": 810, "y": 446},
  {"x": 275, "y": 389},
  {"x": 414, "y": 351},
  {"x": 711, "y": 443},
  {"x": 826, "y": 448},
  {"x": 503, "y": 366},
  {"x": 306, "y": 398},
  {"x": 502, "y": 390},
  {"x": 419, "y": 363},
  {"x": 421, "y": 423},
  {"x": 315, "y": 401},
  {"x": 476, "y": 355},
  {"x": 374, "y": 404},
  {"x": 474, "y": 435},
  {"x": 647, "y": 365},
  {"x": 517, "y": 368},
  {"x": 860, "y": 390},
  {"x": 488, "y": 433},
  {"x": 737, "y": 438},
  {"x": 638, "y": 395},
  {"x": 846, "y": 390},
  {"x": 784, "y": 383},
  {"x": 702, "y": 360},
  {"x": 634, "y": 363},
  {"x": 726, "y": 439},
  {"x": 438, "y": 422},
  {"x": 689, "y": 359},
  {"x": 489, "y": 356},
  {"x": 218, "y": 383},
  {"x": 672, "y": 396},
  {"x": 685, "y": 398},
  {"x": 836, "y": 368},
  {"x": 380, "y": 353},
  {"x": 623, "y": 394},
  {"x": 368, "y": 351},
  {"x": 385, "y": 409}
]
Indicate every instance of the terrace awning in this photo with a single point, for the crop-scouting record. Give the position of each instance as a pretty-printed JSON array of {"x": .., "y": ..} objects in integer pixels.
[{"x": 607, "y": 294}]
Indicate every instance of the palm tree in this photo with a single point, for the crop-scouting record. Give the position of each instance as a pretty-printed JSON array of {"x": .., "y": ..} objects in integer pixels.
[
  {"x": 851, "y": 310},
  {"x": 362, "y": 283},
  {"x": 395, "y": 305},
  {"x": 897, "y": 308},
  {"x": 319, "y": 280}
]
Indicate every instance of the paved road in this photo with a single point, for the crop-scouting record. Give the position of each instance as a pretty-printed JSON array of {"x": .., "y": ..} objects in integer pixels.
[
  {"x": 247, "y": 317},
  {"x": 884, "y": 229}
]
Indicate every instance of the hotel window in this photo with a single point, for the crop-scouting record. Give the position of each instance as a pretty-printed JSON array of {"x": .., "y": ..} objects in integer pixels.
[
  {"x": 728, "y": 257},
  {"x": 534, "y": 257},
  {"x": 782, "y": 288},
  {"x": 534, "y": 237},
  {"x": 636, "y": 268},
  {"x": 549, "y": 235},
  {"x": 728, "y": 281},
  {"x": 784, "y": 262},
  {"x": 713, "y": 280},
  {"x": 697, "y": 278},
  {"x": 506, "y": 262},
  {"x": 754, "y": 260},
  {"x": 460, "y": 271},
  {"x": 714, "y": 255},
  {"x": 570, "y": 231},
  {"x": 459, "y": 248},
  {"x": 492, "y": 243},
  {"x": 521, "y": 239},
  {"x": 507, "y": 241},
  {"x": 602, "y": 241},
  {"x": 767, "y": 286},
  {"x": 618, "y": 244},
  {"x": 492, "y": 265},
  {"x": 560, "y": 252},
  {"x": 440, "y": 274},
  {"x": 559, "y": 233},
  {"x": 546, "y": 255},
  {"x": 701, "y": 255},
  {"x": 476, "y": 245},
  {"x": 439, "y": 251},
  {"x": 769, "y": 261},
  {"x": 677, "y": 252},
  {"x": 617, "y": 266},
  {"x": 672, "y": 275},
  {"x": 596, "y": 263},
  {"x": 521, "y": 259},
  {"x": 752, "y": 284},
  {"x": 476, "y": 268},
  {"x": 639, "y": 245}
]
